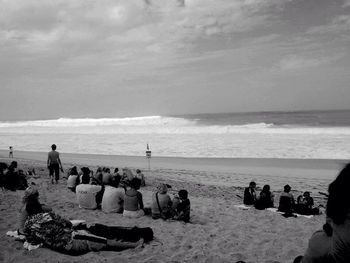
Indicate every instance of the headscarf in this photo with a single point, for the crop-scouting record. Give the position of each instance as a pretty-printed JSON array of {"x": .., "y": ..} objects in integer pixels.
[{"x": 30, "y": 192}]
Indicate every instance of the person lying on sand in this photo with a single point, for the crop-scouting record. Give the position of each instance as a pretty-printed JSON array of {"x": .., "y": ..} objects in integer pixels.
[{"x": 58, "y": 233}]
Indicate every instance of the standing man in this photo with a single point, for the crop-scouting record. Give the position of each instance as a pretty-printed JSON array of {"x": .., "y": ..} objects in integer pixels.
[
  {"x": 10, "y": 152},
  {"x": 54, "y": 163}
]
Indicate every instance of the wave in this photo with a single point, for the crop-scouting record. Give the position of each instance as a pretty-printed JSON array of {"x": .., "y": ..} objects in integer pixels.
[
  {"x": 157, "y": 125},
  {"x": 83, "y": 122}
]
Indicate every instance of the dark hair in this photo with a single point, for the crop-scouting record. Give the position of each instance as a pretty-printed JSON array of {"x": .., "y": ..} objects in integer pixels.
[
  {"x": 85, "y": 178},
  {"x": 85, "y": 170},
  {"x": 327, "y": 228},
  {"x": 252, "y": 183},
  {"x": 115, "y": 181},
  {"x": 116, "y": 170},
  {"x": 53, "y": 146},
  {"x": 138, "y": 171},
  {"x": 135, "y": 183},
  {"x": 73, "y": 171},
  {"x": 183, "y": 194},
  {"x": 107, "y": 170},
  {"x": 287, "y": 188},
  {"x": 338, "y": 203},
  {"x": 266, "y": 188}
]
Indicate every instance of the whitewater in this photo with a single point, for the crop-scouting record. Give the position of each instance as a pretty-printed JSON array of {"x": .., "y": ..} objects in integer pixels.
[{"x": 218, "y": 136}]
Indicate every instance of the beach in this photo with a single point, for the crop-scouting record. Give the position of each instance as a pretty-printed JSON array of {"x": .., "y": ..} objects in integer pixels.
[{"x": 219, "y": 231}]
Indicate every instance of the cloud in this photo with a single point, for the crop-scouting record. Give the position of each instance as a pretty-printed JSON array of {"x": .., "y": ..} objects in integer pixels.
[
  {"x": 297, "y": 62},
  {"x": 338, "y": 24},
  {"x": 346, "y": 3}
]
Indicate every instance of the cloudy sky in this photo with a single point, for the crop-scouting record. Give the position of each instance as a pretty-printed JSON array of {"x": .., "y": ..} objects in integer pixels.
[{"x": 110, "y": 58}]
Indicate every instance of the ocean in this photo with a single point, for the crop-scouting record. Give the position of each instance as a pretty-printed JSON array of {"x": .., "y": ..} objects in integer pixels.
[{"x": 301, "y": 135}]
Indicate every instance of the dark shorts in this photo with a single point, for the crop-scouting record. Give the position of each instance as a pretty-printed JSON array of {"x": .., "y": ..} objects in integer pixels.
[{"x": 55, "y": 168}]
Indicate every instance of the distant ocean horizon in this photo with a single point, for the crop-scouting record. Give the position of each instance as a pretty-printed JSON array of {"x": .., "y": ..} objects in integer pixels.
[{"x": 301, "y": 135}]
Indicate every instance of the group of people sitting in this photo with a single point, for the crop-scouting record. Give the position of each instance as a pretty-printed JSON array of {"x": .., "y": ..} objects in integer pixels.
[
  {"x": 287, "y": 204},
  {"x": 11, "y": 178},
  {"x": 40, "y": 225},
  {"x": 115, "y": 193}
]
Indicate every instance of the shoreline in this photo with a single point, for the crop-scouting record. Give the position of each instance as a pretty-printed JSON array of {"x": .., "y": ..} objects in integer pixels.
[{"x": 219, "y": 231}]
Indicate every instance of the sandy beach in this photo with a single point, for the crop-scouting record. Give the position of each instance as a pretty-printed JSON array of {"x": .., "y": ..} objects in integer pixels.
[{"x": 219, "y": 232}]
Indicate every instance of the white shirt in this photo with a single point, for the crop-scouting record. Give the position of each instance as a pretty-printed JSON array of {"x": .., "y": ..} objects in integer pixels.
[
  {"x": 86, "y": 195},
  {"x": 113, "y": 198}
]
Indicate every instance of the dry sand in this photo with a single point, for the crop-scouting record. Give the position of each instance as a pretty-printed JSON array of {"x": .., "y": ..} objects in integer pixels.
[{"x": 219, "y": 232}]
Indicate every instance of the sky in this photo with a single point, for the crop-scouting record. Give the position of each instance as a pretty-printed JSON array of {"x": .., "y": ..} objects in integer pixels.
[{"x": 110, "y": 58}]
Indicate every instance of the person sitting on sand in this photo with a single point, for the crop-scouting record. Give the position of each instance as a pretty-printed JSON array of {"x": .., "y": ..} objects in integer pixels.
[
  {"x": 286, "y": 203},
  {"x": 140, "y": 175},
  {"x": 106, "y": 176},
  {"x": 116, "y": 177},
  {"x": 58, "y": 233},
  {"x": 305, "y": 205},
  {"x": 73, "y": 179},
  {"x": 113, "y": 198},
  {"x": 133, "y": 203},
  {"x": 97, "y": 177},
  {"x": 319, "y": 246},
  {"x": 161, "y": 203},
  {"x": 250, "y": 194},
  {"x": 265, "y": 199},
  {"x": 11, "y": 177},
  {"x": 22, "y": 180},
  {"x": 3, "y": 171},
  {"x": 88, "y": 196},
  {"x": 182, "y": 206},
  {"x": 127, "y": 176},
  {"x": 31, "y": 206},
  {"x": 338, "y": 210}
]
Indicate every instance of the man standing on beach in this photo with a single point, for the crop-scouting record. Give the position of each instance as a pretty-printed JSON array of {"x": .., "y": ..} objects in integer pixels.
[
  {"x": 10, "y": 152},
  {"x": 54, "y": 163}
]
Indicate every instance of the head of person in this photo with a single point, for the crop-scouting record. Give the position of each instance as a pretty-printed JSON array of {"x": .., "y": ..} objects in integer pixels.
[
  {"x": 338, "y": 204},
  {"x": 162, "y": 188},
  {"x": 30, "y": 194},
  {"x": 306, "y": 194},
  {"x": 115, "y": 182},
  {"x": 266, "y": 188},
  {"x": 116, "y": 170},
  {"x": 138, "y": 171},
  {"x": 85, "y": 171},
  {"x": 107, "y": 170},
  {"x": 135, "y": 183},
  {"x": 85, "y": 178},
  {"x": 13, "y": 164},
  {"x": 287, "y": 188},
  {"x": 53, "y": 147},
  {"x": 74, "y": 170},
  {"x": 183, "y": 194},
  {"x": 3, "y": 167},
  {"x": 252, "y": 185}
]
